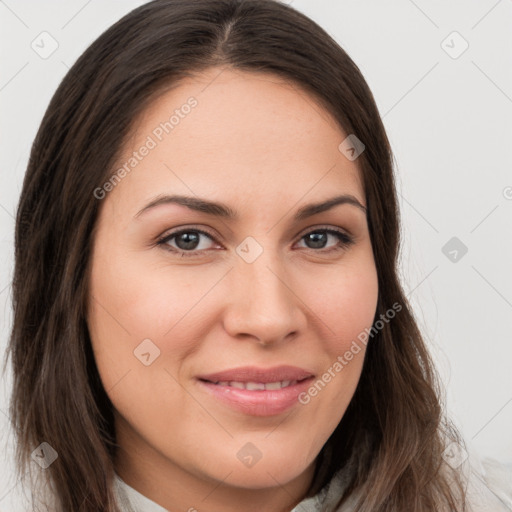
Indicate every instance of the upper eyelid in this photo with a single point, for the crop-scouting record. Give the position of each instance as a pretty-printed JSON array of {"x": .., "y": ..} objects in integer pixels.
[{"x": 177, "y": 231}]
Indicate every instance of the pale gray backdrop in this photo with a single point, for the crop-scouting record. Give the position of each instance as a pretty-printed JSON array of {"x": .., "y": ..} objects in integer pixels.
[{"x": 441, "y": 73}]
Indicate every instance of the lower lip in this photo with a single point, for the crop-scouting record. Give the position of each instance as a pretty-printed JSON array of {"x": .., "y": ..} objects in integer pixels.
[{"x": 259, "y": 402}]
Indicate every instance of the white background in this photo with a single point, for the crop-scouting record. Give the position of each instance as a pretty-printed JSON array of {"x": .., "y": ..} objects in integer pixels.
[{"x": 450, "y": 125}]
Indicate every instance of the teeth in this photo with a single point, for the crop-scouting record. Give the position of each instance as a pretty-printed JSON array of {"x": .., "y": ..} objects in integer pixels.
[
  {"x": 258, "y": 386},
  {"x": 253, "y": 386},
  {"x": 275, "y": 385}
]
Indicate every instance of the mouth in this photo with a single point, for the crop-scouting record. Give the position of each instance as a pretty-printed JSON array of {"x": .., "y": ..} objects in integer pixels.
[
  {"x": 257, "y": 386},
  {"x": 255, "y": 391}
]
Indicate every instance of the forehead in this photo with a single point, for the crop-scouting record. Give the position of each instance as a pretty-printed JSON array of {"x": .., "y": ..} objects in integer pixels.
[{"x": 231, "y": 134}]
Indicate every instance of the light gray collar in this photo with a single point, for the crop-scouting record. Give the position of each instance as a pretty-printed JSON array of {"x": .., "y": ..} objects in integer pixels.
[{"x": 130, "y": 500}]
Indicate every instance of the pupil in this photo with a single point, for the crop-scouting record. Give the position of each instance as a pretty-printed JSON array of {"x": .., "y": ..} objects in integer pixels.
[
  {"x": 190, "y": 240},
  {"x": 319, "y": 239}
]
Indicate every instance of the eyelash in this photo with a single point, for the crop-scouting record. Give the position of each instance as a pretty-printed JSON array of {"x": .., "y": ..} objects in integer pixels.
[{"x": 345, "y": 240}]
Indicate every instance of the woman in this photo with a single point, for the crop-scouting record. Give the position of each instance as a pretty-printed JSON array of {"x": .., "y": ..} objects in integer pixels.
[{"x": 207, "y": 313}]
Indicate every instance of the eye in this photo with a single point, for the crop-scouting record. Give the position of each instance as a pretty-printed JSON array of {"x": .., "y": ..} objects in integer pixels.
[
  {"x": 318, "y": 239},
  {"x": 187, "y": 242}
]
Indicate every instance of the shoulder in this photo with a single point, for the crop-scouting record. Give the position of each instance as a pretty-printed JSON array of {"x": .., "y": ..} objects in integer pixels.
[{"x": 488, "y": 483}]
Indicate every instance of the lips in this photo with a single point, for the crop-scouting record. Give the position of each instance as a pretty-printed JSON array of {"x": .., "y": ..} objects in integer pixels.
[{"x": 256, "y": 391}]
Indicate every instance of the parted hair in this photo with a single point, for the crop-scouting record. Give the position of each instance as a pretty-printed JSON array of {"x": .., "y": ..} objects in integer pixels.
[{"x": 392, "y": 435}]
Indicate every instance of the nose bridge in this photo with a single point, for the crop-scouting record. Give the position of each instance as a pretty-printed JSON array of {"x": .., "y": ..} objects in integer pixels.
[{"x": 263, "y": 304}]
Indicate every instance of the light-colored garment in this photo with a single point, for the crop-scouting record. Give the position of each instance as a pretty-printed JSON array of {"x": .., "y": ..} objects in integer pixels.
[
  {"x": 489, "y": 485},
  {"x": 130, "y": 500},
  {"x": 489, "y": 490}
]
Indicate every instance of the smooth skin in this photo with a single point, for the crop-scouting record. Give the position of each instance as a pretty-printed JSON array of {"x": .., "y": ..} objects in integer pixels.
[{"x": 264, "y": 148}]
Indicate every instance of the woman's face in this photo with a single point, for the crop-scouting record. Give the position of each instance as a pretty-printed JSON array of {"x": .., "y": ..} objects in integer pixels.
[{"x": 250, "y": 284}]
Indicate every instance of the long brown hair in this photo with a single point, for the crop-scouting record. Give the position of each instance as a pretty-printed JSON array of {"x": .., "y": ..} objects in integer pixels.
[{"x": 394, "y": 430}]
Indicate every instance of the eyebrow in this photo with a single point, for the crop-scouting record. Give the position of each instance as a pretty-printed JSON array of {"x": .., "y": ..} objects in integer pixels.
[{"x": 224, "y": 211}]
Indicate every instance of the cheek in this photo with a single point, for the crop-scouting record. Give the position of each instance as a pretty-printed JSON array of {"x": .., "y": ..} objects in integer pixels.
[
  {"x": 132, "y": 310},
  {"x": 346, "y": 302},
  {"x": 132, "y": 301},
  {"x": 346, "y": 309},
  {"x": 358, "y": 306},
  {"x": 144, "y": 298}
]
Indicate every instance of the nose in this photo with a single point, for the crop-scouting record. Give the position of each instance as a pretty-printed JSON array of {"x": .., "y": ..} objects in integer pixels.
[{"x": 263, "y": 304}]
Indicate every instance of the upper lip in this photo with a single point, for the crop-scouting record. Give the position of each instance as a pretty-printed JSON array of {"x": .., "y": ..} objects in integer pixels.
[{"x": 254, "y": 374}]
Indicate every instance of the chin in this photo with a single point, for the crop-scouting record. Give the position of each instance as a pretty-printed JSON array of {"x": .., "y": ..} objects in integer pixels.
[{"x": 278, "y": 469}]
